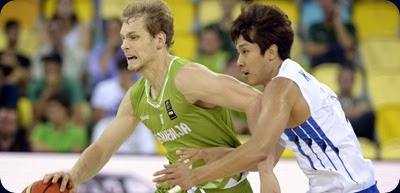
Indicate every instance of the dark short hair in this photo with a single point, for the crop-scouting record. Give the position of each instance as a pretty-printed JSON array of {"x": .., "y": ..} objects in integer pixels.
[
  {"x": 264, "y": 25},
  {"x": 10, "y": 24},
  {"x": 213, "y": 27},
  {"x": 6, "y": 69},
  {"x": 62, "y": 99},
  {"x": 9, "y": 95},
  {"x": 52, "y": 56},
  {"x": 24, "y": 62}
]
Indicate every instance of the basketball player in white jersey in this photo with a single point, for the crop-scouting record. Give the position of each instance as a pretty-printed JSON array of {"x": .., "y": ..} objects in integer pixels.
[{"x": 298, "y": 112}]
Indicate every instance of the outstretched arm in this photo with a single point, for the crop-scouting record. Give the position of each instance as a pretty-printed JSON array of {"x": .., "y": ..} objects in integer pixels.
[
  {"x": 116, "y": 133},
  {"x": 98, "y": 154},
  {"x": 277, "y": 103},
  {"x": 207, "y": 89}
]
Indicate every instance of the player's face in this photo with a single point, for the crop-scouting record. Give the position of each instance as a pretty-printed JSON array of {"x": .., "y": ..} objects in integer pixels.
[
  {"x": 254, "y": 66},
  {"x": 137, "y": 43}
]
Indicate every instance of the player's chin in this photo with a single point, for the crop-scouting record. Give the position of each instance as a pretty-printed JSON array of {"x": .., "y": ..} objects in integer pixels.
[
  {"x": 133, "y": 67},
  {"x": 250, "y": 81}
]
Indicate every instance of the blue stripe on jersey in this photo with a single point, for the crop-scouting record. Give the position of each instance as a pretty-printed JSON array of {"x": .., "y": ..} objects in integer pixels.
[
  {"x": 310, "y": 131},
  {"x": 315, "y": 137},
  {"x": 292, "y": 137},
  {"x": 322, "y": 135},
  {"x": 306, "y": 138}
]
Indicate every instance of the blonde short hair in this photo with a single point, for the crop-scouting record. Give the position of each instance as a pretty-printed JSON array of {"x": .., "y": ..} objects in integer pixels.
[{"x": 156, "y": 15}]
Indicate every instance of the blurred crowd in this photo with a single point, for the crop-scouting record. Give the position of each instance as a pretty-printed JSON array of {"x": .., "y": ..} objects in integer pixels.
[{"x": 60, "y": 95}]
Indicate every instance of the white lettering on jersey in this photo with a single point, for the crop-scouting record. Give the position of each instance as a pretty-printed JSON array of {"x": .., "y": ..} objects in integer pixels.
[
  {"x": 173, "y": 133},
  {"x": 145, "y": 117},
  {"x": 162, "y": 120}
]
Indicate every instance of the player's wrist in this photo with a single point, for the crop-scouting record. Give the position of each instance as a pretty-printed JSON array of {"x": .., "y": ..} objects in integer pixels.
[
  {"x": 198, "y": 176},
  {"x": 73, "y": 177}
]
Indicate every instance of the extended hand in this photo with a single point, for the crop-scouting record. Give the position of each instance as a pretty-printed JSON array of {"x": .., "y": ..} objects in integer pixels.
[
  {"x": 175, "y": 174},
  {"x": 207, "y": 154},
  {"x": 67, "y": 181}
]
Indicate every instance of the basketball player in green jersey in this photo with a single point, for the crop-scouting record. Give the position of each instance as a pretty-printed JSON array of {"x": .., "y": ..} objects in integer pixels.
[{"x": 183, "y": 103}]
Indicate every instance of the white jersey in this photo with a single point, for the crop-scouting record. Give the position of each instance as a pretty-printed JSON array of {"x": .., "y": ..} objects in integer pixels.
[{"x": 325, "y": 146}]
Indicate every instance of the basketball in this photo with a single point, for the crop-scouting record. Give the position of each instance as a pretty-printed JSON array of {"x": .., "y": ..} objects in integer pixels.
[{"x": 40, "y": 187}]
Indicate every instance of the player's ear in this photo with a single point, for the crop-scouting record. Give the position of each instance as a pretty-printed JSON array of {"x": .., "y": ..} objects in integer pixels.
[
  {"x": 272, "y": 52},
  {"x": 161, "y": 39}
]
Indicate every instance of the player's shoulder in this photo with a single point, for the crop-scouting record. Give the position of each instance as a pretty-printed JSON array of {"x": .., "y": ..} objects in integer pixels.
[
  {"x": 193, "y": 66},
  {"x": 189, "y": 71},
  {"x": 192, "y": 72},
  {"x": 185, "y": 63}
]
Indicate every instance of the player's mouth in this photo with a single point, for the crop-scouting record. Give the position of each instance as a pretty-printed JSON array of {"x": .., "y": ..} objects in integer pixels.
[{"x": 130, "y": 58}]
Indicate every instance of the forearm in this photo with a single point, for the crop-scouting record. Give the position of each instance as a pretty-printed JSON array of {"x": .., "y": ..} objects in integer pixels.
[
  {"x": 252, "y": 113},
  {"x": 89, "y": 164},
  {"x": 224, "y": 151},
  {"x": 273, "y": 159},
  {"x": 230, "y": 164},
  {"x": 269, "y": 182}
]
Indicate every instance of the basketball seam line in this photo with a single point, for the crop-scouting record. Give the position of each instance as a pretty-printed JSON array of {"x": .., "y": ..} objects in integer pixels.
[{"x": 47, "y": 188}]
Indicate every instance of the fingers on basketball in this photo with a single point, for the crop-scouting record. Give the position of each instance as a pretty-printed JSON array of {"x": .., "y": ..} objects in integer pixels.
[{"x": 41, "y": 187}]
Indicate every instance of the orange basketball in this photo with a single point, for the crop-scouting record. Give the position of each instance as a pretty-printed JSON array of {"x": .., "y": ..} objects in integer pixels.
[{"x": 40, "y": 187}]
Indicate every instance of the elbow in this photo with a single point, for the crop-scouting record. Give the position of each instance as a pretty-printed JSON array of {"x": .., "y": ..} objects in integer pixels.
[
  {"x": 260, "y": 153},
  {"x": 255, "y": 104},
  {"x": 263, "y": 153},
  {"x": 261, "y": 157}
]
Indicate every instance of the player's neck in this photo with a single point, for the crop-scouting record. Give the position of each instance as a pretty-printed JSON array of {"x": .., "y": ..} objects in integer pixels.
[{"x": 157, "y": 71}]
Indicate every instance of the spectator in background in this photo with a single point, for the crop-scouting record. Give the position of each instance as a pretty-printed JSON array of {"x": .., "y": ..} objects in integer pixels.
[
  {"x": 17, "y": 69},
  {"x": 224, "y": 25},
  {"x": 12, "y": 58},
  {"x": 75, "y": 34},
  {"x": 58, "y": 133},
  {"x": 55, "y": 81},
  {"x": 331, "y": 41},
  {"x": 356, "y": 108},
  {"x": 12, "y": 93},
  {"x": 312, "y": 13},
  {"x": 25, "y": 106},
  {"x": 8, "y": 90},
  {"x": 74, "y": 58},
  {"x": 102, "y": 61},
  {"x": 105, "y": 100},
  {"x": 210, "y": 52},
  {"x": 12, "y": 137}
]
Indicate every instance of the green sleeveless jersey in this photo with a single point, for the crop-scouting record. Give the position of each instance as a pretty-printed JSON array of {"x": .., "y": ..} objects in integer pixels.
[{"x": 176, "y": 123}]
